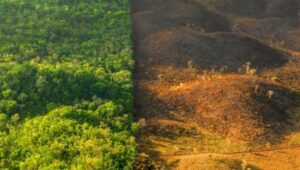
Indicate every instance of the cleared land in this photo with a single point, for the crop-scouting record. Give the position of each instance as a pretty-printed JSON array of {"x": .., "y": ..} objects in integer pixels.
[{"x": 217, "y": 83}]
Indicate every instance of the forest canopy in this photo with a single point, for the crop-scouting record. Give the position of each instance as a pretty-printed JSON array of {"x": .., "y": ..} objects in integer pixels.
[{"x": 65, "y": 85}]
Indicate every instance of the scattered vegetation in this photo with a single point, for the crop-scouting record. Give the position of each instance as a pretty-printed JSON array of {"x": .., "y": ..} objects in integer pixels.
[
  {"x": 238, "y": 107},
  {"x": 144, "y": 162}
]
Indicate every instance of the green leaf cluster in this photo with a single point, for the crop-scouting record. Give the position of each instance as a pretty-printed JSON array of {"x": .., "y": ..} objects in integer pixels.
[{"x": 65, "y": 85}]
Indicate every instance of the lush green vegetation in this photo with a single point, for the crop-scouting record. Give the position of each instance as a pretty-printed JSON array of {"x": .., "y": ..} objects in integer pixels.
[{"x": 65, "y": 85}]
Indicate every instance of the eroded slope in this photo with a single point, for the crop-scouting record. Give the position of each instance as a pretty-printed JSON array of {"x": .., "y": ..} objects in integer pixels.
[{"x": 208, "y": 80}]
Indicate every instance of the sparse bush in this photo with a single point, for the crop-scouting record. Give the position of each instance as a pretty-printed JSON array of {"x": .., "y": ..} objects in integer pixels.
[
  {"x": 190, "y": 64},
  {"x": 270, "y": 94}
]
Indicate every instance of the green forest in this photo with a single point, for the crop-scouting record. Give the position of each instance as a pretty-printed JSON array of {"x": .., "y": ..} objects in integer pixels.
[{"x": 65, "y": 85}]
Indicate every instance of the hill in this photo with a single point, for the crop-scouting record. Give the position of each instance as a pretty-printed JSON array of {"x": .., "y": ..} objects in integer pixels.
[{"x": 217, "y": 78}]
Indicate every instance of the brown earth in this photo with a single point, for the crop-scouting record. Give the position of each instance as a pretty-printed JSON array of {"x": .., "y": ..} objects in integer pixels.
[
  {"x": 260, "y": 8},
  {"x": 178, "y": 46},
  {"x": 274, "y": 21},
  {"x": 235, "y": 107},
  {"x": 217, "y": 78}
]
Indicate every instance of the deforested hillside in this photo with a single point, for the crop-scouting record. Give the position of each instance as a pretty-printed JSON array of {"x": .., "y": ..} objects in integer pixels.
[{"x": 217, "y": 81}]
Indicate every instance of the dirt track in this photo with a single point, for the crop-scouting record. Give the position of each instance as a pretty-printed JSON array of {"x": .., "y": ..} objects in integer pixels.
[{"x": 182, "y": 47}]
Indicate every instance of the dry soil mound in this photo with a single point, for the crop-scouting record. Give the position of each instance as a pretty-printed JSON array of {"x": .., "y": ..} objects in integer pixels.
[
  {"x": 279, "y": 31},
  {"x": 218, "y": 164},
  {"x": 238, "y": 107},
  {"x": 158, "y": 15},
  {"x": 273, "y": 21},
  {"x": 183, "y": 46},
  {"x": 260, "y": 8}
]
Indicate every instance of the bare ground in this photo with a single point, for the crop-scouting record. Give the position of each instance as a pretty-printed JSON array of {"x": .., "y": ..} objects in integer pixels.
[{"x": 217, "y": 82}]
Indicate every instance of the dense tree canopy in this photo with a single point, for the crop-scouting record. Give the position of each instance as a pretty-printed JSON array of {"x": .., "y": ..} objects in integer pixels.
[{"x": 65, "y": 85}]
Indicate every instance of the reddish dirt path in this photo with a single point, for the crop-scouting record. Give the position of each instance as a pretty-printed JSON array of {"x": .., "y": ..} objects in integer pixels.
[{"x": 172, "y": 41}]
